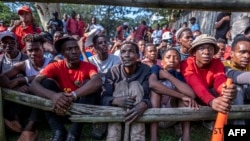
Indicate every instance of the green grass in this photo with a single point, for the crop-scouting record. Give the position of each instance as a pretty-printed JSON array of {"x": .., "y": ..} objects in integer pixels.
[{"x": 198, "y": 133}]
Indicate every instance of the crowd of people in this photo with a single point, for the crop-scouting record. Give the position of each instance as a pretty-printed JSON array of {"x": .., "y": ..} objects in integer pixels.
[{"x": 74, "y": 62}]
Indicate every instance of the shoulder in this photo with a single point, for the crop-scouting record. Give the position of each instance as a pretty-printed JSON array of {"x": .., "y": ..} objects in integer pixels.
[
  {"x": 87, "y": 65},
  {"x": 144, "y": 67}
]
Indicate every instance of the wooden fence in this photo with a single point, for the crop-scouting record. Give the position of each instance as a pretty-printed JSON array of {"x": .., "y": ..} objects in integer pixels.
[{"x": 93, "y": 114}]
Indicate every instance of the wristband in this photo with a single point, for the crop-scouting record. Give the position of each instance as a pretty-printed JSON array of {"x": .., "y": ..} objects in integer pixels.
[
  {"x": 73, "y": 93},
  {"x": 27, "y": 80}
]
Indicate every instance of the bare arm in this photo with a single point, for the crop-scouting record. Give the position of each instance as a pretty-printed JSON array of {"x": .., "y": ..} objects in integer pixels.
[
  {"x": 37, "y": 89},
  {"x": 90, "y": 87},
  {"x": 6, "y": 80},
  {"x": 181, "y": 86},
  {"x": 159, "y": 88},
  {"x": 220, "y": 22}
]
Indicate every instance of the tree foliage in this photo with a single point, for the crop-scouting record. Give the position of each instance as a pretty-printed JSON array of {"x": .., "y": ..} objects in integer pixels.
[{"x": 6, "y": 13}]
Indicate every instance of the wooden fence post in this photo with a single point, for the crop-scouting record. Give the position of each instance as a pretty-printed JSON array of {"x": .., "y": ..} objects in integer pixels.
[{"x": 2, "y": 129}]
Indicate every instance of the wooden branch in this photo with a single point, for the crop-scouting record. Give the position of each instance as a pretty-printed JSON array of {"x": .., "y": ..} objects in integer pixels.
[
  {"x": 2, "y": 128},
  {"x": 213, "y": 5},
  {"x": 92, "y": 113}
]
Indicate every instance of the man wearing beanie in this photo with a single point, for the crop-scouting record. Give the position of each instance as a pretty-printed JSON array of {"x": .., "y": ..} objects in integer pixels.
[
  {"x": 184, "y": 38},
  {"x": 206, "y": 75}
]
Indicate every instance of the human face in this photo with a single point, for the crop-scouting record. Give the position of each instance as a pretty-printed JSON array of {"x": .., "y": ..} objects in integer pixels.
[
  {"x": 25, "y": 16},
  {"x": 221, "y": 51},
  {"x": 34, "y": 51},
  {"x": 8, "y": 45},
  {"x": 171, "y": 60},
  {"x": 129, "y": 56},
  {"x": 57, "y": 36},
  {"x": 141, "y": 45},
  {"x": 240, "y": 56},
  {"x": 101, "y": 46},
  {"x": 186, "y": 39},
  {"x": 71, "y": 52},
  {"x": 150, "y": 53},
  {"x": 93, "y": 20},
  {"x": 204, "y": 55}
]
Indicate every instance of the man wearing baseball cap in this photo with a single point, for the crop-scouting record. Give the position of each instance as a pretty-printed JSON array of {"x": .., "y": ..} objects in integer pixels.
[
  {"x": 204, "y": 73},
  {"x": 10, "y": 56},
  {"x": 73, "y": 81},
  {"x": 25, "y": 25}
]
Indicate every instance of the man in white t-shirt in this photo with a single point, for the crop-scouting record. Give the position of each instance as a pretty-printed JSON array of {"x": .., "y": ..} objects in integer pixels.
[{"x": 103, "y": 61}]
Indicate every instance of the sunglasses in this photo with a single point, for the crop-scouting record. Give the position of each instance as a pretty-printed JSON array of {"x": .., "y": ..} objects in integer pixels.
[{"x": 169, "y": 41}]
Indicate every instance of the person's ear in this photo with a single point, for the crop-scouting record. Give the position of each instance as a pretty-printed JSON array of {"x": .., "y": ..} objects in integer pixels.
[{"x": 232, "y": 53}]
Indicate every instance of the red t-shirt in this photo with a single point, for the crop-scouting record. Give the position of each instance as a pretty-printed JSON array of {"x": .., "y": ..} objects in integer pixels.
[
  {"x": 67, "y": 79},
  {"x": 3, "y": 28},
  {"x": 227, "y": 53},
  {"x": 20, "y": 32},
  {"x": 201, "y": 80},
  {"x": 81, "y": 27},
  {"x": 71, "y": 26},
  {"x": 139, "y": 34}
]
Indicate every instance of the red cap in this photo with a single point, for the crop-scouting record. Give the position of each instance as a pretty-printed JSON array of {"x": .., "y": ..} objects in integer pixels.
[{"x": 25, "y": 9}]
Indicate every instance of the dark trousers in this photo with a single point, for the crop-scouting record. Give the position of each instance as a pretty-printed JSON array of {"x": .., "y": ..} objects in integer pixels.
[{"x": 55, "y": 121}]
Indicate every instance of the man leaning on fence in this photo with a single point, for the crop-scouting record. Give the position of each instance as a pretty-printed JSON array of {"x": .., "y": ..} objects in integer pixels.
[
  {"x": 126, "y": 86},
  {"x": 65, "y": 82}
]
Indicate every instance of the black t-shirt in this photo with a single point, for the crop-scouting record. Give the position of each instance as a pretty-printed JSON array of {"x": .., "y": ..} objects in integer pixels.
[{"x": 225, "y": 26}]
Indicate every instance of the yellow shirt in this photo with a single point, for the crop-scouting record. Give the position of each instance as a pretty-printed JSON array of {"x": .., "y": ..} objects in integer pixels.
[{"x": 229, "y": 64}]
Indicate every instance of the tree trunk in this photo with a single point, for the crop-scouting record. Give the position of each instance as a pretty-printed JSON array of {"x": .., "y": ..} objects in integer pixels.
[{"x": 45, "y": 11}]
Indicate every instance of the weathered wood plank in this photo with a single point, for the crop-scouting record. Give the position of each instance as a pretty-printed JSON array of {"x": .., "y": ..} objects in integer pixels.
[
  {"x": 215, "y": 5},
  {"x": 92, "y": 113},
  {"x": 2, "y": 128}
]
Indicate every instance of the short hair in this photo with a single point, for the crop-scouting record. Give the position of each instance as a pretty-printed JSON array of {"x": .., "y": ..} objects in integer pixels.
[
  {"x": 133, "y": 44},
  {"x": 220, "y": 40},
  {"x": 34, "y": 38},
  {"x": 239, "y": 38},
  {"x": 171, "y": 49},
  {"x": 96, "y": 37},
  {"x": 149, "y": 45},
  {"x": 247, "y": 30}
]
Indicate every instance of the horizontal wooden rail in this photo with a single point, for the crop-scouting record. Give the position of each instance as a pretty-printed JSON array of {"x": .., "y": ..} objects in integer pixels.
[{"x": 92, "y": 113}]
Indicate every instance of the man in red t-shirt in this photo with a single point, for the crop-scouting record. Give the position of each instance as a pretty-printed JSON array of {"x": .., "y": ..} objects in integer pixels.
[
  {"x": 204, "y": 73},
  {"x": 70, "y": 80},
  {"x": 24, "y": 26},
  {"x": 141, "y": 31}
]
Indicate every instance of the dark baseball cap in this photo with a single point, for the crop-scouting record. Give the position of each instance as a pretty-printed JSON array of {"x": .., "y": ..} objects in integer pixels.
[
  {"x": 7, "y": 34},
  {"x": 60, "y": 42}
]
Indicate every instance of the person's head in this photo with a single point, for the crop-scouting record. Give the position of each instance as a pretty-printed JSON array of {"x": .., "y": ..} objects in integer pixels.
[
  {"x": 70, "y": 50},
  {"x": 125, "y": 25},
  {"x": 192, "y": 20},
  {"x": 93, "y": 20},
  {"x": 100, "y": 44},
  {"x": 129, "y": 53},
  {"x": 196, "y": 33},
  {"x": 34, "y": 47},
  {"x": 184, "y": 25},
  {"x": 151, "y": 52},
  {"x": 184, "y": 37},
  {"x": 57, "y": 35},
  {"x": 143, "y": 22},
  {"x": 247, "y": 32},
  {"x": 240, "y": 53},
  {"x": 48, "y": 45},
  {"x": 167, "y": 39},
  {"x": 65, "y": 16},
  {"x": 55, "y": 14},
  {"x": 221, "y": 43},
  {"x": 171, "y": 59},
  {"x": 25, "y": 14},
  {"x": 73, "y": 14},
  {"x": 8, "y": 42},
  {"x": 203, "y": 49},
  {"x": 141, "y": 44},
  {"x": 79, "y": 17}
]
